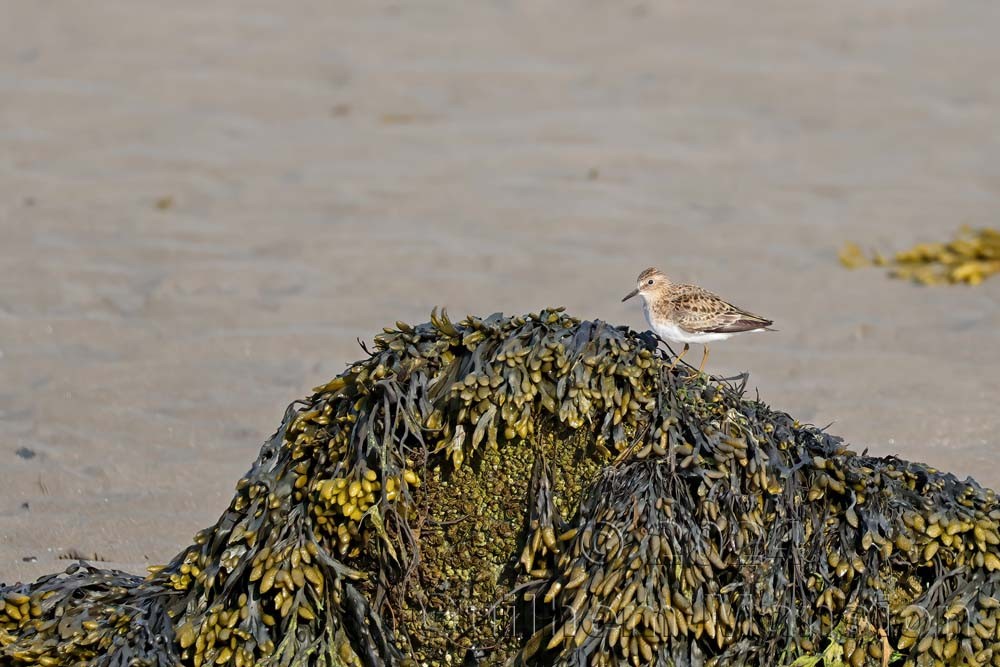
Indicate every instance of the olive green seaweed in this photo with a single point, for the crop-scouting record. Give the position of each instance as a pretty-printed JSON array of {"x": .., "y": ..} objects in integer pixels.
[{"x": 538, "y": 490}]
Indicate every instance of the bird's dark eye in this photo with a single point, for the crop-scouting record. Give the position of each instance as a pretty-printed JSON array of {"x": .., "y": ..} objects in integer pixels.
[{"x": 649, "y": 282}]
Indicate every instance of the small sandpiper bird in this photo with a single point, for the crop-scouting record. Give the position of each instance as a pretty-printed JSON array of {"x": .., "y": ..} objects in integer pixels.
[{"x": 689, "y": 314}]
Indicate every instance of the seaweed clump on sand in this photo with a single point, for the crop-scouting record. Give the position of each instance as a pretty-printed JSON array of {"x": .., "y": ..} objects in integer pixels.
[
  {"x": 971, "y": 257},
  {"x": 539, "y": 490}
]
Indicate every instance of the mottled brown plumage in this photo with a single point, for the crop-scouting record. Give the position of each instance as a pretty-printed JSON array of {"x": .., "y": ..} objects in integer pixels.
[{"x": 697, "y": 310}]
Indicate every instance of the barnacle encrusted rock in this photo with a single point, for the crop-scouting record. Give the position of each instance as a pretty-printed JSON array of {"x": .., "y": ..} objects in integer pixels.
[{"x": 543, "y": 491}]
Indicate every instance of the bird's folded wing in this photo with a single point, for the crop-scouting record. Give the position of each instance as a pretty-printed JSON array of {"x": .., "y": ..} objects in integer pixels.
[{"x": 702, "y": 311}]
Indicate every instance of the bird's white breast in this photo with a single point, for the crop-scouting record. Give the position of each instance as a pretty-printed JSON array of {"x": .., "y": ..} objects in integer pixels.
[
  {"x": 670, "y": 331},
  {"x": 667, "y": 330}
]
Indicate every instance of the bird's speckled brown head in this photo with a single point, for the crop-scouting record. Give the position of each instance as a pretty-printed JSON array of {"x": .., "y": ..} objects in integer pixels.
[{"x": 650, "y": 281}]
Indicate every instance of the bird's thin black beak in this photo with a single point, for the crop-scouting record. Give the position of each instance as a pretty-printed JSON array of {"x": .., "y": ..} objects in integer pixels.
[{"x": 630, "y": 295}]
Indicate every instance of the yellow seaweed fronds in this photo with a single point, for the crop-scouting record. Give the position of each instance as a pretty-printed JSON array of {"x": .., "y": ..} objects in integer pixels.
[{"x": 971, "y": 257}]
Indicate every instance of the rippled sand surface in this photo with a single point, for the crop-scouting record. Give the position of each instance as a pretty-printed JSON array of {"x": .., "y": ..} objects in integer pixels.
[{"x": 202, "y": 205}]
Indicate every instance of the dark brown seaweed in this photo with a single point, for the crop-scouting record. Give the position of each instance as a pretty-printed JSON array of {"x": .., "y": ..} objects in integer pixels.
[{"x": 543, "y": 491}]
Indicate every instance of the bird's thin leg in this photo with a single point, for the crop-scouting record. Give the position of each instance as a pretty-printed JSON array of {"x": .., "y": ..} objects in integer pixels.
[
  {"x": 704, "y": 356},
  {"x": 678, "y": 357}
]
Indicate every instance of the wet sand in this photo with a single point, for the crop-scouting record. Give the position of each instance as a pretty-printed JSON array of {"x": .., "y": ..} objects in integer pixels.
[{"x": 203, "y": 205}]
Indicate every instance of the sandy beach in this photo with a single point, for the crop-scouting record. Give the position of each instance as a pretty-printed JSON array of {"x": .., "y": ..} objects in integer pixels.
[{"x": 203, "y": 206}]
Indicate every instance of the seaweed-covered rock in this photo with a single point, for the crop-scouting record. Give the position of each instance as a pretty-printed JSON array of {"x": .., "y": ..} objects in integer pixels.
[{"x": 542, "y": 491}]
